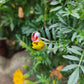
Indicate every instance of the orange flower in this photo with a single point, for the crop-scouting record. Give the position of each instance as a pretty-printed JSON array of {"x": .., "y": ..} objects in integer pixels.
[
  {"x": 56, "y": 72},
  {"x": 18, "y": 77}
]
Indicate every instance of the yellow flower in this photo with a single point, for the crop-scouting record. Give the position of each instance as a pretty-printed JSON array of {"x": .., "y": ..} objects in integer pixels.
[
  {"x": 76, "y": 42},
  {"x": 13, "y": 5},
  {"x": 18, "y": 77},
  {"x": 53, "y": 81},
  {"x": 38, "y": 45}
]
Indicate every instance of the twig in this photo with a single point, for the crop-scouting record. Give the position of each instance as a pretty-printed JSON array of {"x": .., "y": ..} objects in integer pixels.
[{"x": 45, "y": 13}]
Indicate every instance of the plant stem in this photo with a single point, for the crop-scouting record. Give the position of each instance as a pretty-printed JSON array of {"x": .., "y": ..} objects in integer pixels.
[
  {"x": 45, "y": 13},
  {"x": 81, "y": 59},
  {"x": 55, "y": 47}
]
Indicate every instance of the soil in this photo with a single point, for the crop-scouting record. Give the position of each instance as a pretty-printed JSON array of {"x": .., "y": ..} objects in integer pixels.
[{"x": 5, "y": 50}]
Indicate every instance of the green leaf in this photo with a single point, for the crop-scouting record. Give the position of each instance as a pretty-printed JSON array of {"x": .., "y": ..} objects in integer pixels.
[
  {"x": 50, "y": 46},
  {"x": 74, "y": 51},
  {"x": 69, "y": 67},
  {"x": 40, "y": 18},
  {"x": 43, "y": 32},
  {"x": 32, "y": 25},
  {"x": 74, "y": 36},
  {"x": 38, "y": 76},
  {"x": 53, "y": 34},
  {"x": 75, "y": 15},
  {"x": 47, "y": 33},
  {"x": 54, "y": 3},
  {"x": 70, "y": 57},
  {"x": 60, "y": 18},
  {"x": 66, "y": 30},
  {"x": 12, "y": 26},
  {"x": 74, "y": 22},
  {"x": 3, "y": 38},
  {"x": 82, "y": 68},
  {"x": 3, "y": 2},
  {"x": 48, "y": 62},
  {"x": 56, "y": 9},
  {"x": 55, "y": 50},
  {"x": 82, "y": 60},
  {"x": 77, "y": 48},
  {"x": 53, "y": 26},
  {"x": 74, "y": 77},
  {"x": 26, "y": 30}
]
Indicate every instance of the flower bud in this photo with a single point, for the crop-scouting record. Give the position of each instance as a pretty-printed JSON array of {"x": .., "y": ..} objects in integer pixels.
[
  {"x": 20, "y": 12},
  {"x": 26, "y": 76},
  {"x": 35, "y": 36},
  {"x": 21, "y": 43},
  {"x": 25, "y": 66}
]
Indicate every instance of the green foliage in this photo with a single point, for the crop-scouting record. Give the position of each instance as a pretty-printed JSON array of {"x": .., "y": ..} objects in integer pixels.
[
  {"x": 74, "y": 77},
  {"x": 3, "y": 2},
  {"x": 59, "y": 21}
]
